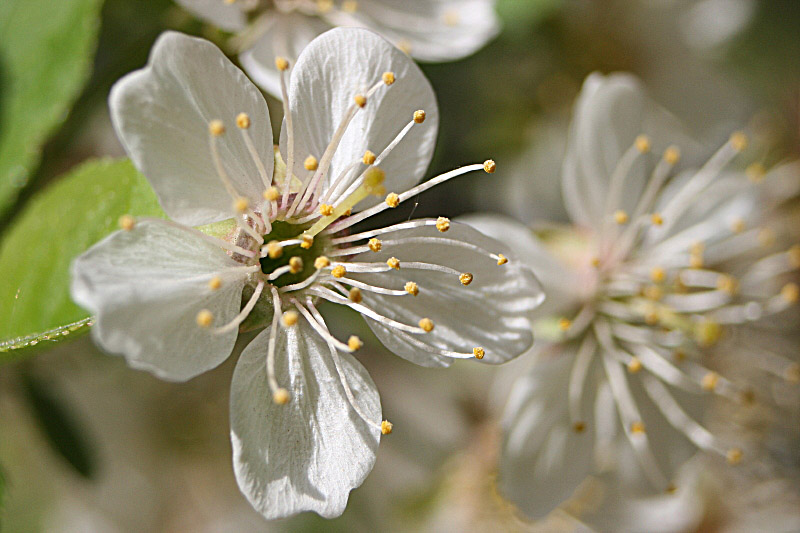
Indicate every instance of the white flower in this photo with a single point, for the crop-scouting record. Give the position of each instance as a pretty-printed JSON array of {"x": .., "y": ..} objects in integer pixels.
[
  {"x": 658, "y": 266},
  {"x": 428, "y": 30},
  {"x": 305, "y": 419}
]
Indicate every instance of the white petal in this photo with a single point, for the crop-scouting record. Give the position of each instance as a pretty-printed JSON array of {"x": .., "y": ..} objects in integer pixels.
[
  {"x": 146, "y": 287},
  {"x": 228, "y": 16},
  {"x": 309, "y": 454},
  {"x": 287, "y": 35},
  {"x": 162, "y": 114},
  {"x": 432, "y": 31},
  {"x": 491, "y": 312},
  {"x": 543, "y": 460},
  {"x": 334, "y": 68},
  {"x": 611, "y": 111}
]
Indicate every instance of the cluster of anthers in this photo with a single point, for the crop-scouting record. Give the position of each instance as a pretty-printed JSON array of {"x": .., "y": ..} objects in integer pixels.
[
  {"x": 296, "y": 250},
  {"x": 661, "y": 298}
]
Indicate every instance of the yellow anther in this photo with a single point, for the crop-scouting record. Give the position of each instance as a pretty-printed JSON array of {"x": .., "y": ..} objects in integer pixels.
[
  {"x": 290, "y": 318},
  {"x": 369, "y": 158},
  {"x": 271, "y": 194},
  {"x": 405, "y": 46},
  {"x": 620, "y": 217},
  {"x": 501, "y": 259},
  {"x": 672, "y": 155},
  {"x": 419, "y": 116},
  {"x": 321, "y": 262},
  {"x": 281, "y": 397},
  {"x": 790, "y": 292},
  {"x": 793, "y": 254},
  {"x": 295, "y": 265},
  {"x": 388, "y": 78},
  {"x": 392, "y": 199},
  {"x": 308, "y": 241},
  {"x": 215, "y": 283},
  {"x": 393, "y": 262},
  {"x": 671, "y": 489},
  {"x": 656, "y": 219},
  {"x": 710, "y": 381},
  {"x": 216, "y": 127},
  {"x": 375, "y": 244},
  {"x": 637, "y": 428},
  {"x": 564, "y": 324},
  {"x": 204, "y": 318},
  {"x": 355, "y": 295},
  {"x": 579, "y": 427},
  {"x": 652, "y": 316},
  {"x": 274, "y": 249},
  {"x": 451, "y": 17},
  {"x": 426, "y": 324},
  {"x": 412, "y": 288},
  {"x": 354, "y": 343},
  {"x": 634, "y": 365},
  {"x": 348, "y": 212},
  {"x": 653, "y": 292},
  {"x": 679, "y": 355},
  {"x": 360, "y": 100},
  {"x": 465, "y": 278},
  {"x": 338, "y": 271},
  {"x": 738, "y": 141},
  {"x": 325, "y": 210},
  {"x": 478, "y": 352},
  {"x": 642, "y": 143},
  {"x": 489, "y": 166},
  {"x": 707, "y": 332},
  {"x": 755, "y": 172},
  {"x": 734, "y": 456},
  {"x": 349, "y": 6},
  {"x": 240, "y": 205},
  {"x": 281, "y": 63},
  {"x": 243, "y": 120},
  {"x": 127, "y": 222},
  {"x": 386, "y": 427},
  {"x": 792, "y": 373},
  {"x": 727, "y": 284},
  {"x": 738, "y": 225},
  {"x": 657, "y": 274},
  {"x": 748, "y": 396},
  {"x": 443, "y": 224},
  {"x": 595, "y": 262},
  {"x": 766, "y": 237},
  {"x": 324, "y": 6},
  {"x": 310, "y": 163},
  {"x": 696, "y": 260}
]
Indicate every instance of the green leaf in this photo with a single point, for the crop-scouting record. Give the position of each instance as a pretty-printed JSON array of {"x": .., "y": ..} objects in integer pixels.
[
  {"x": 57, "y": 225},
  {"x": 46, "y": 54}
]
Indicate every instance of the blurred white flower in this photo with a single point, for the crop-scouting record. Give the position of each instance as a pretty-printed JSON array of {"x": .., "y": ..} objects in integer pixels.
[
  {"x": 656, "y": 267},
  {"x": 305, "y": 419},
  {"x": 428, "y": 30}
]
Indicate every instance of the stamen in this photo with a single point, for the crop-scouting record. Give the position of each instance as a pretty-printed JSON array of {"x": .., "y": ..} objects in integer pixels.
[
  {"x": 386, "y": 427},
  {"x": 245, "y": 312},
  {"x": 479, "y": 352},
  {"x": 204, "y": 318},
  {"x": 279, "y": 395},
  {"x": 283, "y": 66},
  {"x": 127, "y": 222},
  {"x": 389, "y": 229},
  {"x": 331, "y": 296},
  {"x": 388, "y": 78},
  {"x": 392, "y": 200},
  {"x": 319, "y": 328},
  {"x": 442, "y": 224},
  {"x": 412, "y": 288},
  {"x": 426, "y": 324},
  {"x": 215, "y": 283},
  {"x": 289, "y": 318},
  {"x": 371, "y": 288},
  {"x": 243, "y": 122},
  {"x": 465, "y": 278}
]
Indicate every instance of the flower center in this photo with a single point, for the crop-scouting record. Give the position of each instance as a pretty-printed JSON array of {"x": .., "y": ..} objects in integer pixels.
[{"x": 298, "y": 260}]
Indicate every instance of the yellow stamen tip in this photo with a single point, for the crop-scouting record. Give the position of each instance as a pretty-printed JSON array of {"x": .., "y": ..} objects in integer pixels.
[
  {"x": 790, "y": 292},
  {"x": 375, "y": 245},
  {"x": 325, "y": 210},
  {"x": 204, "y": 318},
  {"x": 355, "y": 295},
  {"x": 360, "y": 100},
  {"x": 392, "y": 199},
  {"x": 310, "y": 163},
  {"x": 734, "y": 456},
  {"x": 386, "y": 427},
  {"x": 215, "y": 283},
  {"x": 281, "y": 397},
  {"x": 738, "y": 225},
  {"x": 216, "y": 127},
  {"x": 281, "y": 63},
  {"x": 338, "y": 271},
  {"x": 709, "y": 381},
  {"x": 426, "y": 324},
  {"x": 271, "y": 194},
  {"x": 755, "y": 172},
  {"x": 465, "y": 278},
  {"x": 657, "y": 274},
  {"x": 388, "y": 78},
  {"x": 489, "y": 166},
  {"x": 127, "y": 222},
  {"x": 394, "y": 263},
  {"x": 501, "y": 259},
  {"x": 478, "y": 352},
  {"x": 308, "y": 242},
  {"x": 443, "y": 224},
  {"x": 739, "y": 141},
  {"x": 354, "y": 343},
  {"x": 727, "y": 283},
  {"x": 707, "y": 332},
  {"x": 564, "y": 324},
  {"x": 579, "y": 427},
  {"x": 290, "y": 318},
  {"x": 657, "y": 219},
  {"x": 595, "y": 262},
  {"x": 295, "y": 265},
  {"x": 634, "y": 365},
  {"x": 620, "y": 217},
  {"x": 274, "y": 249},
  {"x": 243, "y": 121},
  {"x": 369, "y": 158},
  {"x": 240, "y": 205},
  {"x": 321, "y": 262},
  {"x": 419, "y": 116},
  {"x": 672, "y": 155},
  {"x": 412, "y": 288},
  {"x": 642, "y": 143},
  {"x": 637, "y": 428}
]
